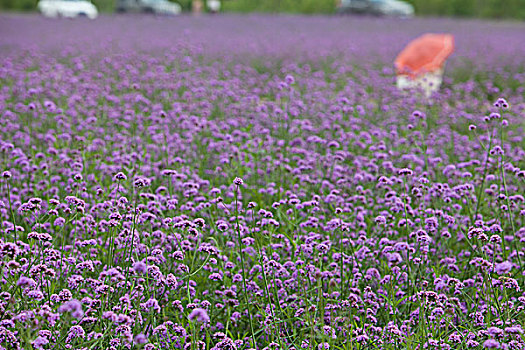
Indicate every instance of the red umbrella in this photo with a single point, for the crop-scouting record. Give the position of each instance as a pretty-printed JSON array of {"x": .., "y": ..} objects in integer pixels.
[{"x": 424, "y": 54}]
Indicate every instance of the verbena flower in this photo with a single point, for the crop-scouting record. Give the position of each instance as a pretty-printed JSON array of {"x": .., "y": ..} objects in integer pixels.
[{"x": 199, "y": 315}]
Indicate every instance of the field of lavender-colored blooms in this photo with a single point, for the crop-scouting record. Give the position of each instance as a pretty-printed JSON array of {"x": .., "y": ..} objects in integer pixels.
[{"x": 257, "y": 182}]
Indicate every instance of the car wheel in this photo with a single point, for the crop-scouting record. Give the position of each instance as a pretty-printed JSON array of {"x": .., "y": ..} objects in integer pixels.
[{"x": 82, "y": 15}]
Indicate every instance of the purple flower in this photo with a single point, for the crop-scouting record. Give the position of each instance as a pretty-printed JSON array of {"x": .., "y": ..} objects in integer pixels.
[
  {"x": 75, "y": 332},
  {"x": 289, "y": 79},
  {"x": 381, "y": 220},
  {"x": 141, "y": 182},
  {"x": 35, "y": 294},
  {"x": 216, "y": 276},
  {"x": 40, "y": 342},
  {"x": 514, "y": 330},
  {"x": 140, "y": 339},
  {"x": 199, "y": 315},
  {"x": 501, "y": 103},
  {"x": 491, "y": 344},
  {"x": 26, "y": 281},
  {"x": 503, "y": 267},
  {"x": 405, "y": 171},
  {"x": 140, "y": 267},
  {"x": 120, "y": 177},
  {"x": 73, "y": 306},
  {"x": 495, "y": 332},
  {"x": 238, "y": 181}
]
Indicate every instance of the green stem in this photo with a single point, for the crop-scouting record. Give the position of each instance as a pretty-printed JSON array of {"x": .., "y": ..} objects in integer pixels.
[
  {"x": 11, "y": 209},
  {"x": 242, "y": 264},
  {"x": 480, "y": 192}
]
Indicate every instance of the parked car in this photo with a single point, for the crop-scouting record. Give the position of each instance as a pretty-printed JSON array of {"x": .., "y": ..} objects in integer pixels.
[
  {"x": 396, "y": 8},
  {"x": 67, "y": 8},
  {"x": 214, "y": 6},
  {"x": 164, "y": 7}
]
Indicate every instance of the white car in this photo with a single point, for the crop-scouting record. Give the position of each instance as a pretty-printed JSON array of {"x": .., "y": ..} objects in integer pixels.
[
  {"x": 67, "y": 8},
  {"x": 161, "y": 7},
  {"x": 214, "y": 6},
  {"x": 395, "y": 8}
]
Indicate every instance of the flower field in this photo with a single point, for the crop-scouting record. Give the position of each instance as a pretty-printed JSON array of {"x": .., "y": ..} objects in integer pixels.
[{"x": 258, "y": 182}]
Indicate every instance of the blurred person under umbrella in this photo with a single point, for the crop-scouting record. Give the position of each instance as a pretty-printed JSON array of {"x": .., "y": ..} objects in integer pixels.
[{"x": 421, "y": 63}]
